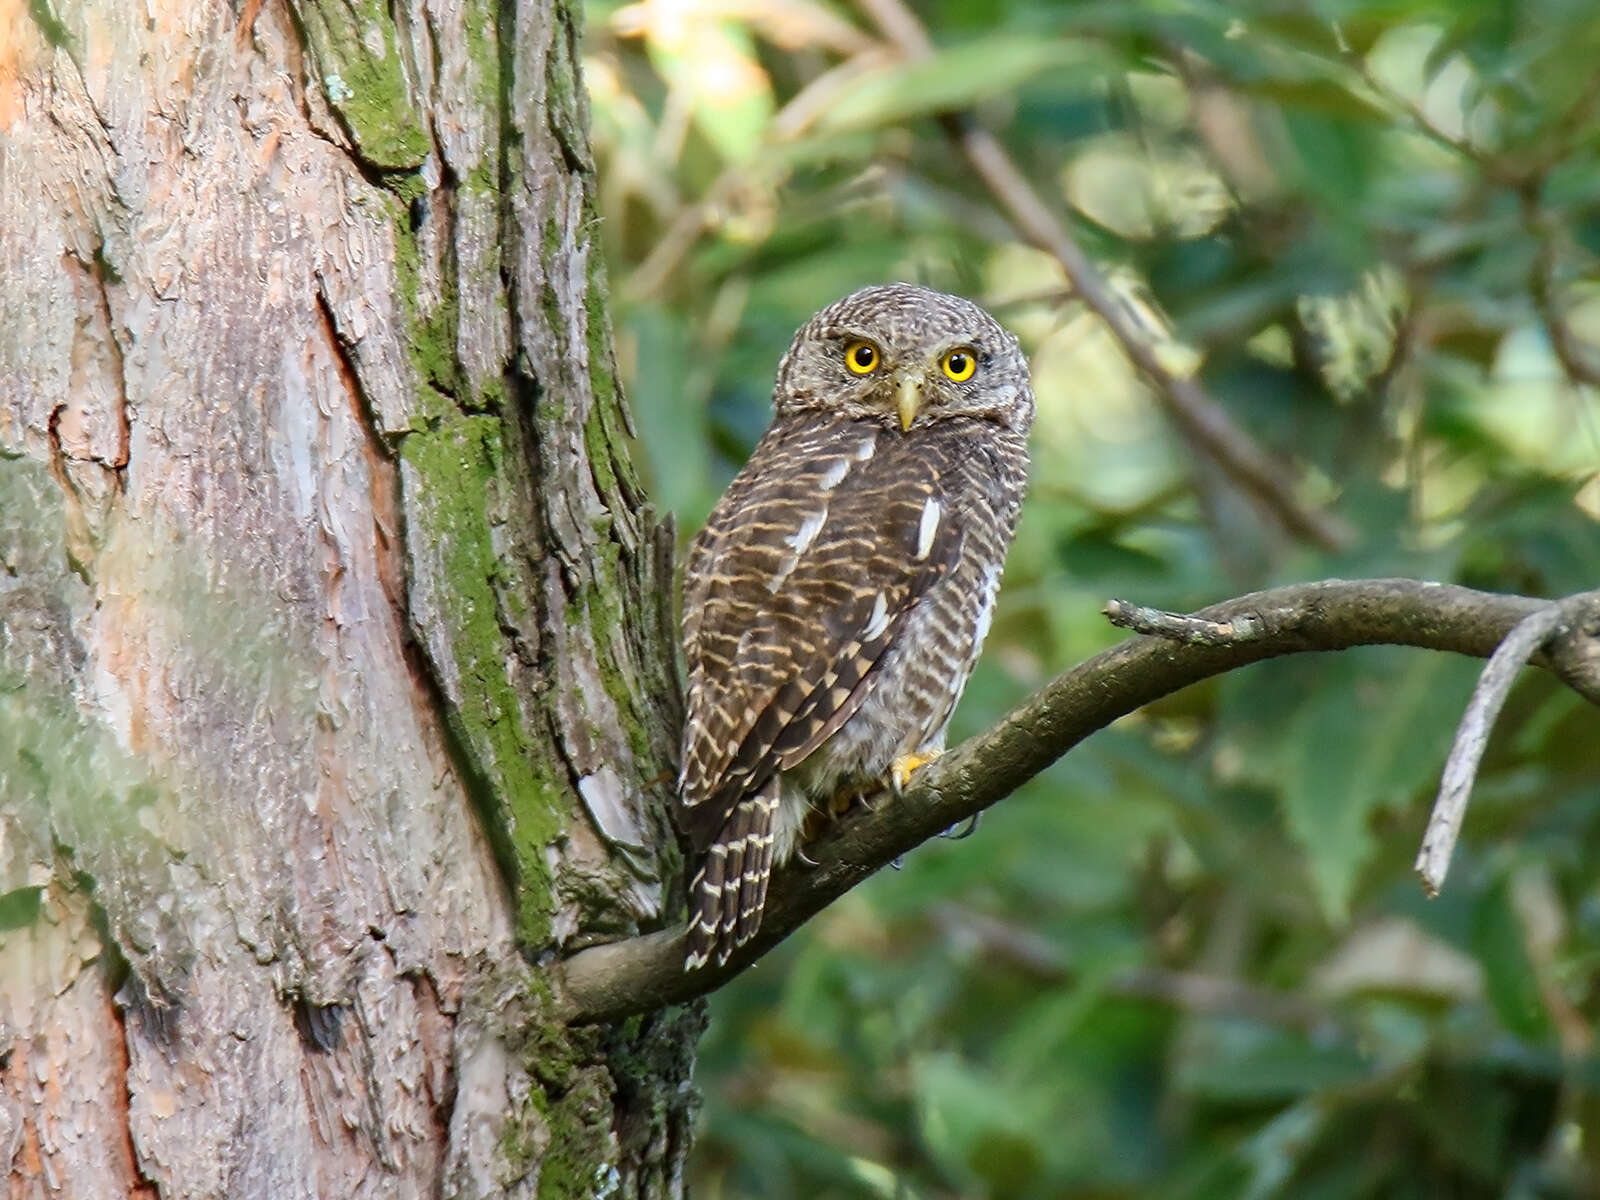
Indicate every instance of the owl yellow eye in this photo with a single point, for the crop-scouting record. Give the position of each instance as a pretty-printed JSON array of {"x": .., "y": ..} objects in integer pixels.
[
  {"x": 861, "y": 357},
  {"x": 960, "y": 363}
]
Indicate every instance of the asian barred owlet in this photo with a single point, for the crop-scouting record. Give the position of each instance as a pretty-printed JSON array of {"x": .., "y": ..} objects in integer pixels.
[{"x": 837, "y": 598}]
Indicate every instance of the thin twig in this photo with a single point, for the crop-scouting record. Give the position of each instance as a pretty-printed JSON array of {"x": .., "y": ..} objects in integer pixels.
[
  {"x": 1227, "y": 129},
  {"x": 1391, "y": 98},
  {"x": 815, "y": 99},
  {"x": 1578, "y": 359},
  {"x": 1198, "y": 416},
  {"x": 604, "y": 983},
  {"x": 1477, "y": 722}
]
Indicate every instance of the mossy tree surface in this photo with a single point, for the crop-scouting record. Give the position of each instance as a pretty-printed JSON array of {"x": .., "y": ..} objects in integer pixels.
[{"x": 336, "y": 695}]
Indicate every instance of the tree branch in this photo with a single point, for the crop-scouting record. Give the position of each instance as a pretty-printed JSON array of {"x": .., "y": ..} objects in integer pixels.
[
  {"x": 1180, "y": 627},
  {"x": 1472, "y": 735},
  {"x": 611, "y": 981}
]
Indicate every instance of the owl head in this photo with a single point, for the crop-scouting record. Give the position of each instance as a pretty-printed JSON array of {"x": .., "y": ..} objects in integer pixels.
[{"x": 906, "y": 356}]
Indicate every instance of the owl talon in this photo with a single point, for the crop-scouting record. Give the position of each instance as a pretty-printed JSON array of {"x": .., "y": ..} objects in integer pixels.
[
  {"x": 802, "y": 857},
  {"x": 900, "y": 771},
  {"x": 967, "y": 829},
  {"x": 898, "y": 861}
]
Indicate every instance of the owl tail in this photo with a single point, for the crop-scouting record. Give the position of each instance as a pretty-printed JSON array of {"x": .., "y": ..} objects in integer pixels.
[{"x": 730, "y": 888}]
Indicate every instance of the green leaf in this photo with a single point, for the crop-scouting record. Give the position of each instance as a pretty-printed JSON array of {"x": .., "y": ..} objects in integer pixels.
[
  {"x": 1325, "y": 96},
  {"x": 1274, "y": 1152},
  {"x": 978, "y": 1128},
  {"x": 1500, "y": 943},
  {"x": 1467, "y": 1114},
  {"x": 1338, "y": 158},
  {"x": 1342, "y": 739},
  {"x": 1239, "y": 1063}
]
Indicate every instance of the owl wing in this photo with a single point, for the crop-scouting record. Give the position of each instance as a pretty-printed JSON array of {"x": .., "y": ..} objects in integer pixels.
[{"x": 798, "y": 584}]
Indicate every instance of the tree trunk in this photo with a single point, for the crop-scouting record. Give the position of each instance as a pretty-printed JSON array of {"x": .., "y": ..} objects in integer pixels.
[{"x": 336, "y": 687}]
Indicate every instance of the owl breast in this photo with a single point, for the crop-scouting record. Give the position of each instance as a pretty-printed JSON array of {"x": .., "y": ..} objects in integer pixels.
[{"x": 981, "y": 477}]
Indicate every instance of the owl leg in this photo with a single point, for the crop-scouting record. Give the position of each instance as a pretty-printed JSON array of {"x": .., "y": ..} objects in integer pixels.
[
  {"x": 901, "y": 769},
  {"x": 900, "y": 772},
  {"x": 822, "y": 814},
  {"x": 729, "y": 890}
]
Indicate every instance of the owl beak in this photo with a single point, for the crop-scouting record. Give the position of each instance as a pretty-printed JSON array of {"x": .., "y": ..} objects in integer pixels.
[{"x": 908, "y": 401}]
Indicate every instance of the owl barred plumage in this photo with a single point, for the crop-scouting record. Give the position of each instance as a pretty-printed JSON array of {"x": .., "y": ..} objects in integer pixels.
[{"x": 837, "y": 598}]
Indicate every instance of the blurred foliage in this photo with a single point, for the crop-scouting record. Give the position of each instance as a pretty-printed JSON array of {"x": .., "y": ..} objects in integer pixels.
[{"x": 1190, "y": 960}]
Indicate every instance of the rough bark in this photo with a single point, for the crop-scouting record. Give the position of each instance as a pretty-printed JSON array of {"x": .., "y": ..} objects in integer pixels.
[{"x": 335, "y": 672}]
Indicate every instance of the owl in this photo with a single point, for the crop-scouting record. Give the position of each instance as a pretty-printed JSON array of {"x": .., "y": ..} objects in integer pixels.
[{"x": 837, "y": 598}]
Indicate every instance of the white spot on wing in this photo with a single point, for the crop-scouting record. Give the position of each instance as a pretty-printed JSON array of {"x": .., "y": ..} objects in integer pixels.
[
  {"x": 931, "y": 512},
  {"x": 835, "y": 474},
  {"x": 864, "y": 451},
  {"x": 879, "y": 621},
  {"x": 798, "y": 542}
]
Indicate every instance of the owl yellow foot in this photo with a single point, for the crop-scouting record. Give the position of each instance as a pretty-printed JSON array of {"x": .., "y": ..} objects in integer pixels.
[{"x": 901, "y": 769}]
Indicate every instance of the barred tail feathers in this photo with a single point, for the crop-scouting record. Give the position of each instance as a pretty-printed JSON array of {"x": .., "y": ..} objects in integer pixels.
[{"x": 729, "y": 889}]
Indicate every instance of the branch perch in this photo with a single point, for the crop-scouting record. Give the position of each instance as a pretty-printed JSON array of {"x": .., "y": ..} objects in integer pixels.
[{"x": 607, "y": 982}]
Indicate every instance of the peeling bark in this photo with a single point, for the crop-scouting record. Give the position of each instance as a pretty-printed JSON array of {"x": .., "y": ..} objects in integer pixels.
[{"x": 336, "y": 689}]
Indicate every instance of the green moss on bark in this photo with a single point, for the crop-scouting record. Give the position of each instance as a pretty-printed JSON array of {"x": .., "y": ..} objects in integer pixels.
[
  {"x": 577, "y": 1164},
  {"x": 469, "y": 463},
  {"x": 480, "y": 22},
  {"x": 454, "y": 478},
  {"x": 355, "y": 50},
  {"x": 432, "y": 331},
  {"x": 563, "y": 1127}
]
